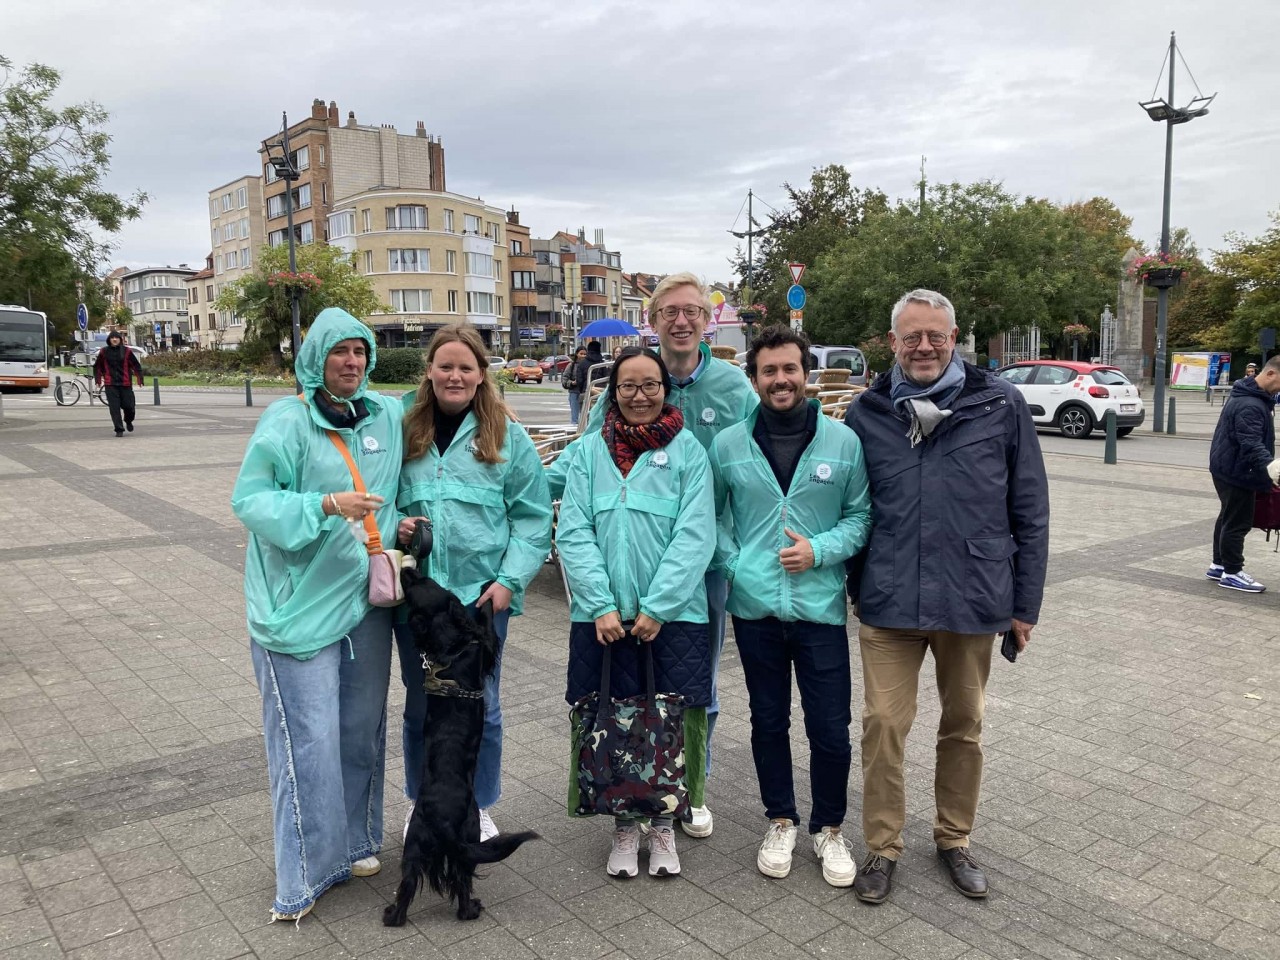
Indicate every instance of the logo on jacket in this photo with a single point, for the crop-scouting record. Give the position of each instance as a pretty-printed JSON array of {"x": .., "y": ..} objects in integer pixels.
[
  {"x": 660, "y": 458},
  {"x": 822, "y": 474},
  {"x": 371, "y": 445}
]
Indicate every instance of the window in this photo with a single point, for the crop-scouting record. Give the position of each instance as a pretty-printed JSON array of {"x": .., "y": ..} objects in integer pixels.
[
  {"x": 320, "y": 150},
  {"x": 232, "y": 259},
  {"x": 275, "y": 206},
  {"x": 614, "y": 298},
  {"x": 275, "y": 238},
  {"x": 226, "y": 202},
  {"x": 593, "y": 285},
  {"x": 547, "y": 258},
  {"x": 498, "y": 301},
  {"x": 213, "y": 209},
  {"x": 453, "y": 301},
  {"x": 1055, "y": 375},
  {"x": 479, "y": 302},
  {"x": 242, "y": 198},
  {"x": 368, "y": 220},
  {"x": 450, "y": 261},
  {"x": 208, "y": 292},
  {"x": 306, "y": 231},
  {"x": 244, "y": 257},
  {"x": 134, "y": 285},
  {"x": 269, "y": 172},
  {"x": 522, "y": 280},
  {"x": 517, "y": 246},
  {"x": 470, "y": 224},
  {"x": 407, "y": 217},
  {"x": 244, "y": 228},
  {"x": 480, "y": 264},
  {"x": 324, "y": 192},
  {"x": 213, "y": 235},
  {"x": 217, "y": 264},
  {"x": 448, "y": 221},
  {"x": 194, "y": 295},
  {"x": 302, "y": 199},
  {"x": 228, "y": 232},
  {"x": 409, "y": 261},
  {"x": 342, "y": 224},
  {"x": 497, "y": 269},
  {"x": 411, "y": 301},
  {"x": 195, "y": 321},
  {"x": 493, "y": 232},
  {"x": 213, "y": 322},
  {"x": 302, "y": 158},
  {"x": 368, "y": 261}
]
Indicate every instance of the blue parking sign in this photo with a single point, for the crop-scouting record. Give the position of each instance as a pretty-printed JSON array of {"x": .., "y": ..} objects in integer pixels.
[{"x": 82, "y": 316}]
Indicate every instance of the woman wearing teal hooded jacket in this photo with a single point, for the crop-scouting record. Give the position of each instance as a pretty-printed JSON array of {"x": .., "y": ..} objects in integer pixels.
[
  {"x": 321, "y": 653},
  {"x": 476, "y": 475}
]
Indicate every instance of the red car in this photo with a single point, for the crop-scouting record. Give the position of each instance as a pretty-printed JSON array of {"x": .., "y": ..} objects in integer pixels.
[
  {"x": 556, "y": 364},
  {"x": 526, "y": 370}
]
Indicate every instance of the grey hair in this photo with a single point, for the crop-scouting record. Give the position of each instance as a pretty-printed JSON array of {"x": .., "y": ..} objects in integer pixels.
[{"x": 929, "y": 297}]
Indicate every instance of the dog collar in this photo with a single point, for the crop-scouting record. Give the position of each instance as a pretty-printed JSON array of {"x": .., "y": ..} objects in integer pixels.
[{"x": 440, "y": 686}]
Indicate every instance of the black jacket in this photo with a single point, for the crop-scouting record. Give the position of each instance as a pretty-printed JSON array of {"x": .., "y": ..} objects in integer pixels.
[
  {"x": 1244, "y": 441},
  {"x": 960, "y": 522}
]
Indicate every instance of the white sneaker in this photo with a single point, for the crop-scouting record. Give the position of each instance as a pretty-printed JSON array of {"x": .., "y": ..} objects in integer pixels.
[
  {"x": 1240, "y": 581},
  {"x": 624, "y": 858},
  {"x": 774, "y": 858},
  {"x": 407, "y": 817},
  {"x": 700, "y": 825},
  {"x": 295, "y": 917},
  {"x": 366, "y": 867},
  {"x": 838, "y": 868},
  {"x": 663, "y": 859},
  {"x": 487, "y": 830}
]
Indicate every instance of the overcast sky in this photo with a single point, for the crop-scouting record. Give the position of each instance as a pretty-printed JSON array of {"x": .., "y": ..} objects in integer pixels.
[{"x": 652, "y": 119}]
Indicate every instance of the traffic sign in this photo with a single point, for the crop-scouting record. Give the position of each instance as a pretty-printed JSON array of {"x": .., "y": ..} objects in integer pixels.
[
  {"x": 797, "y": 320},
  {"x": 797, "y": 271},
  {"x": 159, "y": 329},
  {"x": 796, "y": 297},
  {"x": 82, "y": 316}
]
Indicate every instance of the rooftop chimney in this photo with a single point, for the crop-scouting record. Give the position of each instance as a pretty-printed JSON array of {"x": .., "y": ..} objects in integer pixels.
[
  {"x": 317, "y": 109},
  {"x": 422, "y": 129},
  {"x": 333, "y": 113},
  {"x": 513, "y": 216},
  {"x": 599, "y": 236},
  {"x": 351, "y": 119}
]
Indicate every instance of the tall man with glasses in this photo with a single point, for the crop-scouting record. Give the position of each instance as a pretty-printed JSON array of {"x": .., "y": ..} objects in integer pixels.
[
  {"x": 958, "y": 549},
  {"x": 791, "y": 492},
  {"x": 713, "y": 395}
]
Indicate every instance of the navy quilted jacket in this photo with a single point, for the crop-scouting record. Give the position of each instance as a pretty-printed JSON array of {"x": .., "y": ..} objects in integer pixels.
[{"x": 681, "y": 663}]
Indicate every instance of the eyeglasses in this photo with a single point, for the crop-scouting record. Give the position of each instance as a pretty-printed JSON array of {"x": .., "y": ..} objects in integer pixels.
[
  {"x": 690, "y": 311},
  {"x": 650, "y": 388},
  {"x": 936, "y": 339}
]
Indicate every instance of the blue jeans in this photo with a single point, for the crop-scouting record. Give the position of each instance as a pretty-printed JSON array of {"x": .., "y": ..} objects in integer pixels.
[
  {"x": 717, "y": 596},
  {"x": 324, "y": 721},
  {"x": 575, "y": 404},
  {"x": 489, "y": 763},
  {"x": 820, "y": 652}
]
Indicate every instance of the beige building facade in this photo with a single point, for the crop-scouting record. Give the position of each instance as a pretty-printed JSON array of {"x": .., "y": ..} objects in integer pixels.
[
  {"x": 237, "y": 233},
  {"x": 433, "y": 257}
]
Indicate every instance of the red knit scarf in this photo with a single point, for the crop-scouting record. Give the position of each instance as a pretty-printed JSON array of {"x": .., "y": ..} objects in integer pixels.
[{"x": 626, "y": 441}]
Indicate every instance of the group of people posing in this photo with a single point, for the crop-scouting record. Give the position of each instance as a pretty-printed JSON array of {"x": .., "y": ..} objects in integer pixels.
[{"x": 693, "y": 491}]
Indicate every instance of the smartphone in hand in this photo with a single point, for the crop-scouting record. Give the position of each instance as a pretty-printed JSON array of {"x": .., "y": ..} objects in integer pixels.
[{"x": 1009, "y": 646}]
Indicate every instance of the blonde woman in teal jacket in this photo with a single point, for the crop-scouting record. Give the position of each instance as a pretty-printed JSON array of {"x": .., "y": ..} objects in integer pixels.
[
  {"x": 477, "y": 476},
  {"x": 321, "y": 654}
]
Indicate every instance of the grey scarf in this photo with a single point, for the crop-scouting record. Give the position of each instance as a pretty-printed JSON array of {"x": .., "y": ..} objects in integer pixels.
[{"x": 928, "y": 405}]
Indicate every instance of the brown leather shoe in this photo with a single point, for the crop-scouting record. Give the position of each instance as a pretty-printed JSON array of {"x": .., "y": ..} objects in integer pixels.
[
  {"x": 965, "y": 873},
  {"x": 874, "y": 879}
]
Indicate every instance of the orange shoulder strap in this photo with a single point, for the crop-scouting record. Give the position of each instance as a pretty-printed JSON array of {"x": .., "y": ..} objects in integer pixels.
[{"x": 374, "y": 545}]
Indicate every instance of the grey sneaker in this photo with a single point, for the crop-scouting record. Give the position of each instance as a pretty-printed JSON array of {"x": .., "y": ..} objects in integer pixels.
[
  {"x": 663, "y": 859},
  {"x": 624, "y": 858}
]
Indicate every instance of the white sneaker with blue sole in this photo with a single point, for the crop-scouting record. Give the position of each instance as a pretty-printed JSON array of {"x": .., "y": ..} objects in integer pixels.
[
  {"x": 1241, "y": 581},
  {"x": 1214, "y": 572}
]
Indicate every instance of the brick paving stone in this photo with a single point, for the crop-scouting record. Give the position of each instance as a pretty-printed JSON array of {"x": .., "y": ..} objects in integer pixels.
[{"x": 102, "y": 922}]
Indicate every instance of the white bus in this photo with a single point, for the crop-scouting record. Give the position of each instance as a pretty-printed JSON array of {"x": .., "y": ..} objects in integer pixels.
[{"x": 24, "y": 349}]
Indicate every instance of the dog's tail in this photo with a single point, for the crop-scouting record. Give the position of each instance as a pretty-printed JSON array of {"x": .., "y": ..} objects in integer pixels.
[{"x": 498, "y": 848}]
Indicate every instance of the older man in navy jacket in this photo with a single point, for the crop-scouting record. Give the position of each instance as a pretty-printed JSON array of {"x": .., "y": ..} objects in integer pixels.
[{"x": 958, "y": 550}]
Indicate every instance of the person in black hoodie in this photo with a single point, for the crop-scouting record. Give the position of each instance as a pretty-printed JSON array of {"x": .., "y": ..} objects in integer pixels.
[
  {"x": 1242, "y": 460},
  {"x": 117, "y": 368},
  {"x": 594, "y": 356}
]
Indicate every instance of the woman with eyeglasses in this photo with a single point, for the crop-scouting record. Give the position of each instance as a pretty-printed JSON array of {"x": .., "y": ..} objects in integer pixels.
[{"x": 636, "y": 534}]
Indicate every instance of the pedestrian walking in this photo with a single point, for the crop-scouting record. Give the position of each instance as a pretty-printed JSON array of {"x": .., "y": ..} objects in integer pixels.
[
  {"x": 116, "y": 368},
  {"x": 321, "y": 653},
  {"x": 636, "y": 534},
  {"x": 569, "y": 380},
  {"x": 1242, "y": 462},
  {"x": 957, "y": 554},
  {"x": 791, "y": 494}
]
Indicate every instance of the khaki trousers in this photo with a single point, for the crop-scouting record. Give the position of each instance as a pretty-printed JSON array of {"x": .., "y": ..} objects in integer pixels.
[{"x": 891, "y": 661}]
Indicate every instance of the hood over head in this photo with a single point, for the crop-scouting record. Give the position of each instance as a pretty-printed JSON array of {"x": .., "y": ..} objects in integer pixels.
[{"x": 331, "y": 326}]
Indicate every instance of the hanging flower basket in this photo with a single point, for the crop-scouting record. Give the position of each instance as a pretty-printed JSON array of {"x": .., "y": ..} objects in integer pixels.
[
  {"x": 1162, "y": 278},
  {"x": 302, "y": 282},
  {"x": 1159, "y": 270},
  {"x": 1077, "y": 330}
]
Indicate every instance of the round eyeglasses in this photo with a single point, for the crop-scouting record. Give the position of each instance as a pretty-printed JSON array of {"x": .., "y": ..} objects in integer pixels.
[
  {"x": 912, "y": 340},
  {"x": 650, "y": 388},
  {"x": 691, "y": 311}
]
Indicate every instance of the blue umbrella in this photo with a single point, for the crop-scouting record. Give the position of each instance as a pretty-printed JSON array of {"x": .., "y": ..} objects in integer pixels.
[{"x": 608, "y": 327}]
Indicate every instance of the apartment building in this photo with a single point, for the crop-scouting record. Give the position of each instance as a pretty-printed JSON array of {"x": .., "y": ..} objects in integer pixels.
[
  {"x": 600, "y": 293},
  {"x": 157, "y": 298},
  {"x": 237, "y": 231},
  {"x": 524, "y": 331},
  {"x": 433, "y": 257},
  {"x": 206, "y": 329}
]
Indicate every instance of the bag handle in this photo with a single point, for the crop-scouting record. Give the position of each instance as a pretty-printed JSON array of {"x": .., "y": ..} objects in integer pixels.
[
  {"x": 374, "y": 544},
  {"x": 651, "y": 694}
]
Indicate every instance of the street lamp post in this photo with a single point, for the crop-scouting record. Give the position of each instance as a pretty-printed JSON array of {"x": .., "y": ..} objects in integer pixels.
[
  {"x": 288, "y": 172},
  {"x": 1161, "y": 110}
]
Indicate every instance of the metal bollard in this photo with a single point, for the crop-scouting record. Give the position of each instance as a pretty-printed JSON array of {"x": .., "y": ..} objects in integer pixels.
[
  {"x": 155, "y": 387},
  {"x": 1109, "y": 452},
  {"x": 1171, "y": 425},
  {"x": 248, "y": 392},
  {"x": 502, "y": 390}
]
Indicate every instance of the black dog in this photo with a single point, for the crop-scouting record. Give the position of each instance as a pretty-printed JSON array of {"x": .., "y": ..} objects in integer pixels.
[{"x": 443, "y": 843}]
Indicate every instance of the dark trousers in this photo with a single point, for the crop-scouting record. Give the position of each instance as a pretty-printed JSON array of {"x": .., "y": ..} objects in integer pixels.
[
  {"x": 820, "y": 653},
  {"x": 120, "y": 400},
  {"x": 1235, "y": 520}
]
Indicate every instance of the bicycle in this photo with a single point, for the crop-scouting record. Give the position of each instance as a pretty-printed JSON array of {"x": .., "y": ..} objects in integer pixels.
[{"x": 67, "y": 393}]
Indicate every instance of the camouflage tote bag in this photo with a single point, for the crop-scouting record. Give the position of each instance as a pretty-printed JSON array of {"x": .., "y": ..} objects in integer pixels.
[{"x": 629, "y": 754}]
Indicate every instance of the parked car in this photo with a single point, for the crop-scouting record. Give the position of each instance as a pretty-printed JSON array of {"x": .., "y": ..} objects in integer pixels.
[
  {"x": 525, "y": 370},
  {"x": 1074, "y": 397},
  {"x": 555, "y": 363},
  {"x": 839, "y": 358},
  {"x": 497, "y": 363}
]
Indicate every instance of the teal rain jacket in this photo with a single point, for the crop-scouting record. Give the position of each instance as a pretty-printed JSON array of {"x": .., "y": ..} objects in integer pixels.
[
  {"x": 720, "y": 397},
  {"x": 489, "y": 521},
  {"x": 640, "y": 544},
  {"x": 828, "y": 503},
  {"x": 305, "y": 576}
]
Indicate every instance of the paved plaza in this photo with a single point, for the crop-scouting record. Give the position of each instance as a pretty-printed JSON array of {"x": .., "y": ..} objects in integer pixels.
[{"x": 1130, "y": 810}]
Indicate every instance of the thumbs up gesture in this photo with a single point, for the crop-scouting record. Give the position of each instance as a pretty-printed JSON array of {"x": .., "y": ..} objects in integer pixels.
[{"x": 798, "y": 557}]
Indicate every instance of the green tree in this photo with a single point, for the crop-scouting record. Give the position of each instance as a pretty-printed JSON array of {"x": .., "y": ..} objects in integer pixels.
[
  {"x": 54, "y": 210},
  {"x": 1253, "y": 265},
  {"x": 262, "y": 299}
]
